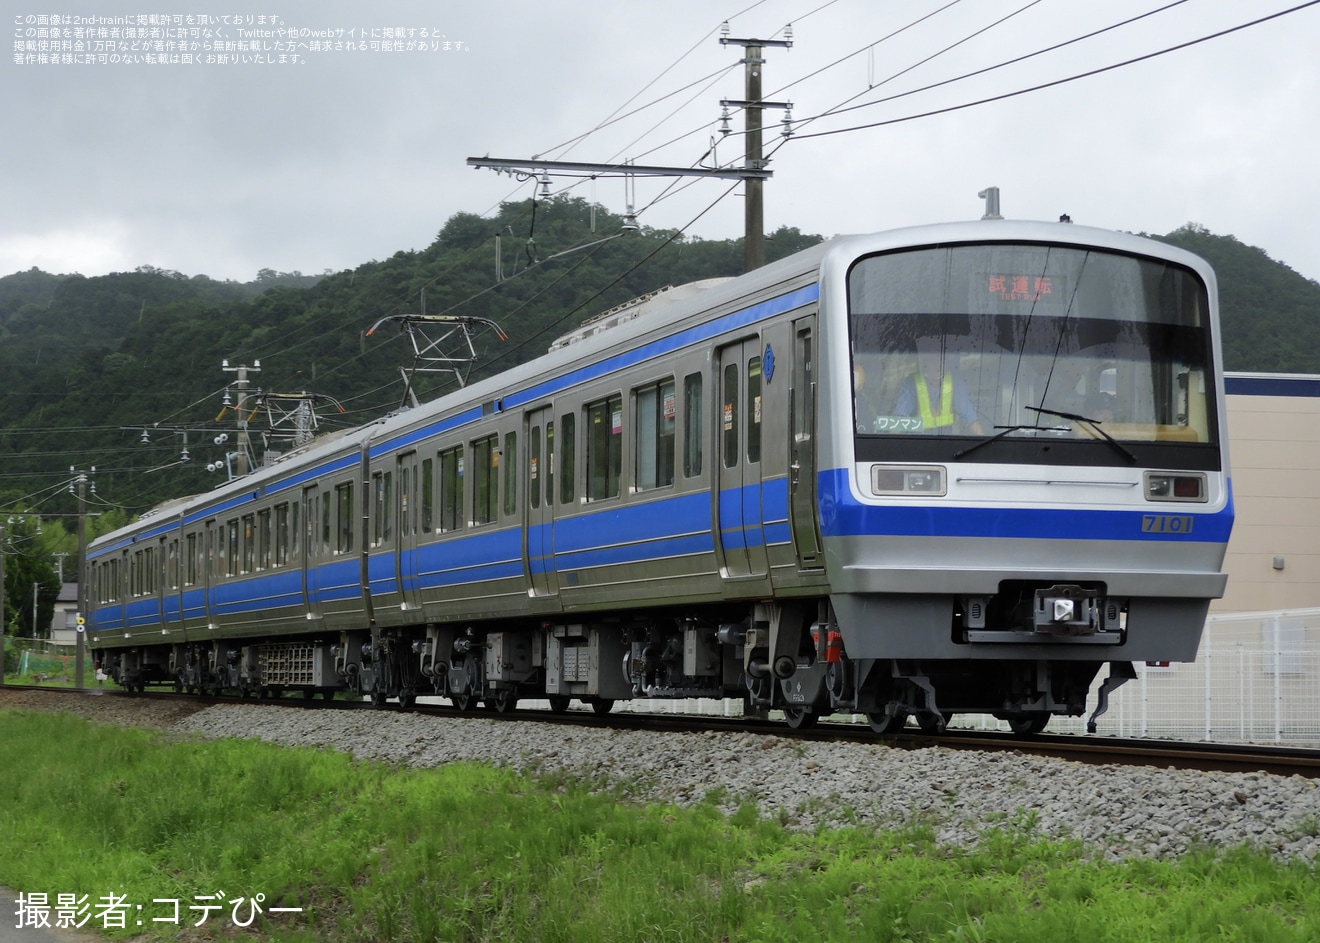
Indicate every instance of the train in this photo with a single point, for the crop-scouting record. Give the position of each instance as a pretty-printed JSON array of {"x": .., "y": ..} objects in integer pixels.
[{"x": 947, "y": 469}]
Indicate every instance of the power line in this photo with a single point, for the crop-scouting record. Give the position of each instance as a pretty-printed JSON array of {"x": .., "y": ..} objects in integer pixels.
[{"x": 1063, "y": 81}]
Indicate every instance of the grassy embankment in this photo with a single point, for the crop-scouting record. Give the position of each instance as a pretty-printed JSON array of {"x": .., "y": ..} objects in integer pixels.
[{"x": 375, "y": 852}]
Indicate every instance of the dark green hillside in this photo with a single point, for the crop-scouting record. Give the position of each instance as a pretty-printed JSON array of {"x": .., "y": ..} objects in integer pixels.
[
  {"x": 1271, "y": 314},
  {"x": 84, "y": 356}
]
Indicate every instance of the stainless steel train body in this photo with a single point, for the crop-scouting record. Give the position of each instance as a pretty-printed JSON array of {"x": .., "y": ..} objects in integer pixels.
[{"x": 944, "y": 469}]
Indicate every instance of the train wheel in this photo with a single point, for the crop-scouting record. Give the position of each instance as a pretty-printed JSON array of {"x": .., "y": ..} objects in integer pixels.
[
  {"x": 503, "y": 702},
  {"x": 887, "y": 723},
  {"x": 932, "y": 723},
  {"x": 603, "y": 705},
  {"x": 559, "y": 703},
  {"x": 799, "y": 718},
  {"x": 464, "y": 702},
  {"x": 407, "y": 700},
  {"x": 1028, "y": 722}
]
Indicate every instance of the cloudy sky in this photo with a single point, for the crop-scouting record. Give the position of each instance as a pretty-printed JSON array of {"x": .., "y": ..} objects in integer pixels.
[{"x": 340, "y": 157}]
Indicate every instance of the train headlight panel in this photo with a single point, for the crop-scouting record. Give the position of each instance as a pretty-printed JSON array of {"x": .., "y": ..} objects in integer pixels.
[
  {"x": 1183, "y": 486},
  {"x": 908, "y": 479}
]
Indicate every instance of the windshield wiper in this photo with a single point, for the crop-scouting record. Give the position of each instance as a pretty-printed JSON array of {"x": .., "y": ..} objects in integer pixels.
[
  {"x": 999, "y": 435},
  {"x": 1094, "y": 424}
]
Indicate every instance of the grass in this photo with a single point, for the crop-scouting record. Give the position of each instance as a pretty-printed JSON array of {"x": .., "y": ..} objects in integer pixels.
[{"x": 466, "y": 852}]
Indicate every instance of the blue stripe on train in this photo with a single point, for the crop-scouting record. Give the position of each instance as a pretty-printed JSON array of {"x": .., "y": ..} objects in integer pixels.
[{"x": 843, "y": 516}]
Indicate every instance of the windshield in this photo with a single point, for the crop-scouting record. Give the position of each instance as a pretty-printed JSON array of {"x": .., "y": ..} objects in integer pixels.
[{"x": 1028, "y": 341}]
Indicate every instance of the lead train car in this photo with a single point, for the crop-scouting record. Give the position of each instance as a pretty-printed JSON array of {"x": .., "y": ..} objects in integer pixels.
[{"x": 944, "y": 469}]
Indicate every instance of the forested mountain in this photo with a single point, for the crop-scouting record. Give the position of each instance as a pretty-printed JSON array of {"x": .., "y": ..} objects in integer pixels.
[
  {"x": 88, "y": 364},
  {"x": 1271, "y": 314}
]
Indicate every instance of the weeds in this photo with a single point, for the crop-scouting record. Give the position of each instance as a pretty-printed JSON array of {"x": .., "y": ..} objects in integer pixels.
[{"x": 467, "y": 852}]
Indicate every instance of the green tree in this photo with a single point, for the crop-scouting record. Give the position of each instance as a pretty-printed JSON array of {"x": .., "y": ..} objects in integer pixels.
[{"x": 29, "y": 577}]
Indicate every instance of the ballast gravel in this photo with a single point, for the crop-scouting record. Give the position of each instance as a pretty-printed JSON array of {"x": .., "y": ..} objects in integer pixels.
[{"x": 1117, "y": 811}]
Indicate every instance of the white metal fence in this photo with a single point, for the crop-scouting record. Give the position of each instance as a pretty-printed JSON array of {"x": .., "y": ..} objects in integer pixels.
[{"x": 1256, "y": 679}]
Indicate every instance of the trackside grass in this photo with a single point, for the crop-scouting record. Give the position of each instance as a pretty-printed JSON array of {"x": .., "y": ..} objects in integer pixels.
[{"x": 372, "y": 852}]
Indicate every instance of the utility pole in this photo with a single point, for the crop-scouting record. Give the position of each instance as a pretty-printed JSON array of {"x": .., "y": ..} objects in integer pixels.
[
  {"x": 81, "y": 480},
  {"x": 244, "y": 445},
  {"x": 753, "y": 171},
  {"x": 753, "y": 157}
]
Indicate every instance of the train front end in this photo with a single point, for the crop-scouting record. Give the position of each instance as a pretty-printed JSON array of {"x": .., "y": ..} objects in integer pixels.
[{"x": 1024, "y": 476}]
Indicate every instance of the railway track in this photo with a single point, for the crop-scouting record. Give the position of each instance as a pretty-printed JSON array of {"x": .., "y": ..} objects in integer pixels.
[{"x": 1097, "y": 750}]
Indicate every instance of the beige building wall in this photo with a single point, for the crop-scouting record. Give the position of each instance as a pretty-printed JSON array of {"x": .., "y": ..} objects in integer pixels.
[{"x": 1273, "y": 559}]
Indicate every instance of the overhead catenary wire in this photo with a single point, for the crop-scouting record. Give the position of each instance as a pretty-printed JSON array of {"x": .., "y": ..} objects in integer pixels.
[{"x": 1065, "y": 80}]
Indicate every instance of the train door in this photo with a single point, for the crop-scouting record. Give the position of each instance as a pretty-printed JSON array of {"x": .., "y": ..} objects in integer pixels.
[
  {"x": 409, "y": 478},
  {"x": 802, "y": 462},
  {"x": 539, "y": 543},
  {"x": 741, "y": 534},
  {"x": 313, "y": 548}
]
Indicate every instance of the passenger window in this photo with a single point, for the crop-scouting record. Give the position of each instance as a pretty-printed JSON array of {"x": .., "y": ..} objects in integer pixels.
[
  {"x": 692, "y": 426},
  {"x": 263, "y": 540},
  {"x": 656, "y": 415},
  {"x": 451, "y": 489},
  {"x": 428, "y": 495},
  {"x": 729, "y": 416},
  {"x": 567, "y": 467},
  {"x": 510, "y": 461},
  {"x": 249, "y": 542},
  {"x": 604, "y": 448},
  {"x": 534, "y": 469},
  {"x": 344, "y": 504},
  {"x": 382, "y": 509},
  {"x": 485, "y": 486},
  {"x": 754, "y": 409},
  {"x": 282, "y": 534}
]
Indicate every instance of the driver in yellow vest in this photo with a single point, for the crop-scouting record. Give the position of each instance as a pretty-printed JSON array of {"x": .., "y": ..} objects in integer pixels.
[{"x": 936, "y": 394}]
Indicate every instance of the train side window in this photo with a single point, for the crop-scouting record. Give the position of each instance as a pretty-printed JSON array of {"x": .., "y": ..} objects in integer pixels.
[
  {"x": 656, "y": 419},
  {"x": 729, "y": 416},
  {"x": 295, "y": 530},
  {"x": 692, "y": 412},
  {"x": 344, "y": 508},
  {"x": 485, "y": 484},
  {"x": 263, "y": 539},
  {"x": 230, "y": 551},
  {"x": 172, "y": 564},
  {"x": 604, "y": 448},
  {"x": 568, "y": 464},
  {"x": 451, "y": 489},
  {"x": 428, "y": 495},
  {"x": 754, "y": 409},
  {"x": 534, "y": 468},
  {"x": 407, "y": 488},
  {"x": 325, "y": 523},
  {"x": 510, "y": 460},
  {"x": 281, "y": 534},
  {"x": 190, "y": 560},
  {"x": 550, "y": 463},
  {"x": 249, "y": 542},
  {"x": 382, "y": 509}
]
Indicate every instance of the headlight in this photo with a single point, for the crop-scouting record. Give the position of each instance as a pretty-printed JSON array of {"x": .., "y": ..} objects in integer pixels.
[
  {"x": 1167, "y": 486},
  {"x": 907, "y": 479}
]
